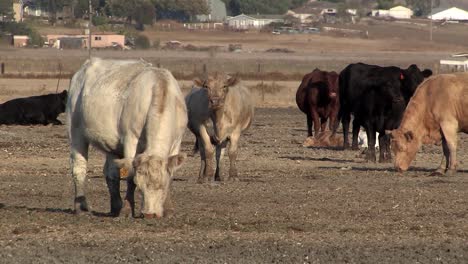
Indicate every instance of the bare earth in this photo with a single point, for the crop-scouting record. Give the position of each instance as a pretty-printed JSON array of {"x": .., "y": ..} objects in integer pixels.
[{"x": 292, "y": 205}]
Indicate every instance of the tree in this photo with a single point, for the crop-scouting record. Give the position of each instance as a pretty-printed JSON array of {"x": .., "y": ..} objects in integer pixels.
[
  {"x": 422, "y": 7},
  {"x": 385, "y": 4},
  {"x": 6, "y": 9},
  {"x": 180, "y": 9}
]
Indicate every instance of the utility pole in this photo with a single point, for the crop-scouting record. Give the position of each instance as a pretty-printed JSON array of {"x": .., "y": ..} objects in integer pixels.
[
  {"x": 89, "y": 29},
  {"x": 430, "y": 30}
]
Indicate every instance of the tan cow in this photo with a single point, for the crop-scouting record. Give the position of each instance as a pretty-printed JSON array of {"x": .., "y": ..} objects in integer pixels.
[
  {"x": 135, "y": 114},
  {"x": 438, "y": 110},
  {"x": 228, "y": 104}
]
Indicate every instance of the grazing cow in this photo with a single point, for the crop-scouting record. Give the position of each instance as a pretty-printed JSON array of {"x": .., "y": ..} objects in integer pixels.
[
  {"x": 229, "y": 105},
  {"x": 318, "y": 98},
  {"x": 438, "y": 110},
  {"x": 377, "y": 96},
  {"x": 324, "y": 139},
  {"x": 34, "y": 110},
  {"x": 136, "y": 115}
]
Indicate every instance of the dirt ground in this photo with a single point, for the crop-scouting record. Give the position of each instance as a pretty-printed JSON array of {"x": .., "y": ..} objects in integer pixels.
[{"x": 292, "y": 205}]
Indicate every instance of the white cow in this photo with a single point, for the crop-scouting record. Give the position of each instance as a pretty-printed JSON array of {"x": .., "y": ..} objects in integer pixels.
[{"x": 136, "y": 115}]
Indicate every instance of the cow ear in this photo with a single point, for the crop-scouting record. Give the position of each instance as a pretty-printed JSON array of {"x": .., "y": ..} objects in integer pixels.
[
  {"x": 199, "y": 82},
  {"x": 140, "y": 159},
  {"x": 123, "y": 163},
  {"x": 232, "y": 81},
  {"x": 409, "y": 136},
  {"x": 426, "y": 73},
  {"x": 174, "y": 162}
]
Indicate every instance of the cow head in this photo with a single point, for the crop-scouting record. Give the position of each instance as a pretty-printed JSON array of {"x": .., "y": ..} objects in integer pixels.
[
  {"x": 405, "y": 145},
  {"x": 152, "y": 176},
  {"x": 332, "y": 81},
  {"x": 411, "y": 78},
  {"x": 217, "y": 86},
  {"x": 63, "y": 97}
]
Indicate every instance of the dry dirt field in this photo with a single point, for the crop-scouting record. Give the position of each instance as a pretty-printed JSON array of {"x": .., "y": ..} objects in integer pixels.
[{"x": 292, "y": 204}]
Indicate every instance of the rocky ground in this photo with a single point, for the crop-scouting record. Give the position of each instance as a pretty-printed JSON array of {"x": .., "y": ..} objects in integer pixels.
[{"x": 292, "y": 205}]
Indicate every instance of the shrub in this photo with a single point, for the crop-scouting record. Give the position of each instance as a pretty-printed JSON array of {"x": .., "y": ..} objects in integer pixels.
[
  {"x": 100, "y": 20},
  {"x": 142, "y": 42}
]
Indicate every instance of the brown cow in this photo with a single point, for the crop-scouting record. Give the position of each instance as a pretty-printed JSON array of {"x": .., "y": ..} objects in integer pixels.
[
  {"x": 438, "y": 110},
  {"x": 318, "y": 98}
]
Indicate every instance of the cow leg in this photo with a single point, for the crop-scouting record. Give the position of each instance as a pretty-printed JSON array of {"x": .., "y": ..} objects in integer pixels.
[
  {"x": 449, "y": 132},
  {"x": 208, "y": 149},
  {"x": 323, "y": 124},
  {"x": 370, "y": 154},
  {"x": 444, "y": 163},
  {"x": 130, "y": 149},
  {"x": 220, "y": 149},
  {"x": 309, "y": 125},
  {"x": 316, "y": 120},
  {"x": 79, "y": 160},
  {"x": 384, "y": 148},
  {"x": 111, "y": 171},
  {"x": 345, "y": 120},
  {"x": 232, "y": 152},
  {"x": 356, "y": 127},
  {"x": 168, "y": 205}
]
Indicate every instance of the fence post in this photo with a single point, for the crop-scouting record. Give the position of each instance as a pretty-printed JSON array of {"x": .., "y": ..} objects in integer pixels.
[
  {"x": 204, "y": 69},
  {"x": 2, "y": 68},
  {"x": 259, "y": 71}
]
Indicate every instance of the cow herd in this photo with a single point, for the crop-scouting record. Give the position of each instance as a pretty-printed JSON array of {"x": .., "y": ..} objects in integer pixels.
[{"x": 137, "y": 115}]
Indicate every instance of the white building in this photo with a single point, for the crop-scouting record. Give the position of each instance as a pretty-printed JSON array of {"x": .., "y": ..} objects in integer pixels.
[
  {"x": 257, "y": 22},
  {"x": 398, "y": 12},
  {"x": 453, "y": 13}
]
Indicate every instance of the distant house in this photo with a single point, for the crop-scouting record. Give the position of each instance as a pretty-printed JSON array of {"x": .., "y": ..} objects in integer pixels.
[
  {"x": 302, "y": 17},
  {"x": 103, "y": 40},
  {"x": 453, "y": 13},
  {"x": 253, "y": 21},
  {"x": 398, "y": 12},
  {"x": 217, "y": 12},
  {"x": 20, "y": 41}
]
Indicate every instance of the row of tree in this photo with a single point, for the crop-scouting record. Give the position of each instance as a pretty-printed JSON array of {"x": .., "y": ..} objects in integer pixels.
[{"x": 236, "y": 7}]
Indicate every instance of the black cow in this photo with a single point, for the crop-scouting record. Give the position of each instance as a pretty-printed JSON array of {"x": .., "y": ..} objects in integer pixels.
[
  {"x": 34, "y": 110},
  {"x": 377, "y": 97}
]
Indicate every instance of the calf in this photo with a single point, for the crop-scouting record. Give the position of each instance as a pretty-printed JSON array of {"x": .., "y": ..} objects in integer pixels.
[
  {"x": 438, "y": 110},
  {"x": 318, "y": 98},
  {"x": 228, "y": 105},
  {"x": 34, "y": 110},
  {"x": 377, "y": 96},
  {"x": 136, "y": 115}
]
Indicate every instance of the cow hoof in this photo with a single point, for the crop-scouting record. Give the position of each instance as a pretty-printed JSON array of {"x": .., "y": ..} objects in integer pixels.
[
  {"x": 81, "y": 205},
  {"x": 450, "y": 173},
  {"x": 437, "y": 173},
  {"x": 201, "y": 180},
  {"x": 151, "y": 216}
]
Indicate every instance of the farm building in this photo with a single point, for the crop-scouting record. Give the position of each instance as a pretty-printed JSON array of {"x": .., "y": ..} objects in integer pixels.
[
  {"x": 254, "y": 21},
  {"x": 103, "y": 40},
  {"x": 453, "y": 13},
  {"x": 217, "y": 12},
  {"x": 20, "y": 41},
  {"x": 398, "y": 12}
]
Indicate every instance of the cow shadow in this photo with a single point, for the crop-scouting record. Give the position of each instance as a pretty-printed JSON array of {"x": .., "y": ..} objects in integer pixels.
[
  {"x": 388, "y": 169},
  {"x": 316, "y": 159},
  {"x": 66, "y": 211}
]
